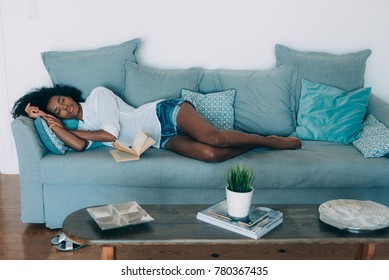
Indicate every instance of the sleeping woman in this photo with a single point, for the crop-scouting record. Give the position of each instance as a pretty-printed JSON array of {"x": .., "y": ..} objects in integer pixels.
[{"x": 173, "y": 123}]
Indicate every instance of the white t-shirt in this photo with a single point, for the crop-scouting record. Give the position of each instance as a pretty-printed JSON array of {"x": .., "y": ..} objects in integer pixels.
[{"x": 105, "y": 110}]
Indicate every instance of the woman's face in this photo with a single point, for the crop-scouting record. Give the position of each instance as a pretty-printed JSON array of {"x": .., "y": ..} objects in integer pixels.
[{"x": 64, "y": 107}]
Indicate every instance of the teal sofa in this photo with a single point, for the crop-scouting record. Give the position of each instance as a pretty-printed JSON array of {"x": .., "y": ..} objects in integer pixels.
[{"x": 266, "y": 102}]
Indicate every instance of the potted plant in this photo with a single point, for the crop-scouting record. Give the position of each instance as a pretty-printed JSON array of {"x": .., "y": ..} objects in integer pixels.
[{"x": 239, "y": 191}]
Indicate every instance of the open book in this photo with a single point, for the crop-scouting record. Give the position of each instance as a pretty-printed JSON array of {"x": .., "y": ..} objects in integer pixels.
[{"x": 140, "y": 144}]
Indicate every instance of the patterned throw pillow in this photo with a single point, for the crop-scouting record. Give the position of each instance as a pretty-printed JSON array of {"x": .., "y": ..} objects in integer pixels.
[
  {"x": 48, "y": 137},
  {"x": 374, "y": 140},
  {"x": 217, "y": 107}
]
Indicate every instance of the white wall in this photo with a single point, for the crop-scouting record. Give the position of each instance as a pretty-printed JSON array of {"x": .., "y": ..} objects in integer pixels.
[{"x": 178, "y": 34}]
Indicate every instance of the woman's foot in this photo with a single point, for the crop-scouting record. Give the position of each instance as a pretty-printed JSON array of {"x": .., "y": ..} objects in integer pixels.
[{"x": 282, "y": 143}]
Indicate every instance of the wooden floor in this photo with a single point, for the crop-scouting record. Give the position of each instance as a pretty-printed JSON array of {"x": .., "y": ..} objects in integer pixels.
[{"x": 19, "y": 241}]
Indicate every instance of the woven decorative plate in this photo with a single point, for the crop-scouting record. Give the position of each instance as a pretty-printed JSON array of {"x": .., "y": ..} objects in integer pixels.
[{"x": 354, "y": 215}]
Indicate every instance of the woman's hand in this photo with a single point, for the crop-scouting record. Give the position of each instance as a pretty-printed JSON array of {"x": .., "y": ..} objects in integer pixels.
[
  {"x": 52, "y": 121},
  {"x": 34, "y": 112}
]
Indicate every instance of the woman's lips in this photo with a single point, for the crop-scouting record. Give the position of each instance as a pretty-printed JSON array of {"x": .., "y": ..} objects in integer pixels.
[{"x": 70, "y": 109}]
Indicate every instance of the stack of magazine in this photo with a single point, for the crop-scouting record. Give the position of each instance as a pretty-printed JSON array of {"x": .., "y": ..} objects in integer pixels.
[{"x": 260, "y": 220}]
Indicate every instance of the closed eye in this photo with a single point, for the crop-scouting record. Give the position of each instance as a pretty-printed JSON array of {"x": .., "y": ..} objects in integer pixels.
[{"x": 57, "y": 111}]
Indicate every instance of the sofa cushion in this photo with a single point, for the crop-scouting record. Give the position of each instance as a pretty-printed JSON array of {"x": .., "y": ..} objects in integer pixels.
[
  {"x": 319, "y": 164},
  {"x": 263, "y": 99},
  {"x": 48, "y": 137},
  {"x": 330, "y": 114},
  {"x": 145, "y": 84},
  {"x": 87, "y": 69},
  {"x": 345, "y": 71},
  {"x": 374, "y": 140},
  {"x": 217, "y": 108}
]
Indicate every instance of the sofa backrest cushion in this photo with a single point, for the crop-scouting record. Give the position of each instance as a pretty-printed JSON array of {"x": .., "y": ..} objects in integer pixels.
[
  {"x": 87, "y": 69},
  {"x": 346, "y": 71},
  {"x": 331, "y": 114},
  {"x": 263, "y": 101},
  {"x": 145, "y": 84},
  {"x": 209, "y": 82}
]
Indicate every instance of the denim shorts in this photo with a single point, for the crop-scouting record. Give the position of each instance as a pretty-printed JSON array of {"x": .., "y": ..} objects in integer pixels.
[{"x": 167, "y": 111}]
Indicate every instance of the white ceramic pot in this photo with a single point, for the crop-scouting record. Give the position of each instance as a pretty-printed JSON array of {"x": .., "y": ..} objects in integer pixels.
[{"x": 238, "y": 204}]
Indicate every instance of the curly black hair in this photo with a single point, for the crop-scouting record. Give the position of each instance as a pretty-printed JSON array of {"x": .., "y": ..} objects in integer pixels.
[{"x": 40, "y": 97}]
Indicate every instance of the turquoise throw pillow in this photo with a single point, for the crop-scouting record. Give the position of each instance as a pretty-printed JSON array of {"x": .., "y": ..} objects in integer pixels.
[
  {"x": 331, "y": 114},
  {"x": 87, "y": 69},
  {"x": 217, "y": 107},
  {"x": 48, "y": 137},
  {"x": 51, "y": 140},
  {"x": 374, "y": 140},
  {"x": 70, "y": 123}
]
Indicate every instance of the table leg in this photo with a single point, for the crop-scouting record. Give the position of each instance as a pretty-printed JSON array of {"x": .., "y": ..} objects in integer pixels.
[
  {"x": 108, "y": 253},
  {"x": 364, "y": 251}
]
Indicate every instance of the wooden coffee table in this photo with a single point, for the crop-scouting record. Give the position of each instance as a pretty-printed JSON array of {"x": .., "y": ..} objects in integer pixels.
[{"x": 177, "y": 234}]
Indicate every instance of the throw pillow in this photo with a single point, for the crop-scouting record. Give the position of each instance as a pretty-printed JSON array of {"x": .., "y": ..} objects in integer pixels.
[
  {"x": 144, "y": 84},
  {"x": 345, "y": 71},
  {"x": 374, "y": 140},
  {"x": 51, "y": 140},
  {"x": 48, "y": 137},
  {"x": 263, "y": 102},
  {"x": 70, "y": 123},
  {"x": 217, "y": 108},
  {"x": 87, "y": 69},
  {"x": 330, "y": 114}
]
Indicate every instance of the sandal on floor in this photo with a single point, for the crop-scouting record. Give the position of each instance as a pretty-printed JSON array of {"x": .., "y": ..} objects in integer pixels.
[
  {"x": 68, "y": 245},
  {"x": 60, "y": 237}
]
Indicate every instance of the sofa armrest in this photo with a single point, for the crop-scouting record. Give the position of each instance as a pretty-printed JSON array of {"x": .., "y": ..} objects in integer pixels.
[
  {"x": 379, "y": 109},
  {"x": 30, "y": 151}
]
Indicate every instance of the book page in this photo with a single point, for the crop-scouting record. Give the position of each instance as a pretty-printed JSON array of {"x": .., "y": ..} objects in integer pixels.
[
  {"x": 138, "y": 142},
  {"x": 121, "y": 147},
  {"x": 123, "y": 156},
  {"x": 147, "y": 144}
]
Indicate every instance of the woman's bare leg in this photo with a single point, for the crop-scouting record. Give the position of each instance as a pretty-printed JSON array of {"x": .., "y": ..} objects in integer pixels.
[
  {"x": 187, "y": 146},
  {"x": 194, "y": 125}
]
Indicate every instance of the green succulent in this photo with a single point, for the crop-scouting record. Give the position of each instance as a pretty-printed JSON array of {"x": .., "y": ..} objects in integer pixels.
[{"x": 240, "y": 179}]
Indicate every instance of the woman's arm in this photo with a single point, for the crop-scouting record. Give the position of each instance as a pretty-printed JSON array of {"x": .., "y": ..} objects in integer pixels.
[
  {"x": 95, "y": 136},
  {"x": 77, "y": 139},
  {"x": 70, "y": 139}
]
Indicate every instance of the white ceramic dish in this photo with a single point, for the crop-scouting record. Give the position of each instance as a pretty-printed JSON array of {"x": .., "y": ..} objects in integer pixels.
[{"x": 119, "y": 215}]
